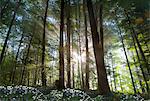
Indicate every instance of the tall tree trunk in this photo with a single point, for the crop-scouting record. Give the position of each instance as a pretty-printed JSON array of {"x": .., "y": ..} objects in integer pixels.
[
  {"x": 73, "y": 85},
  {"x": 61, "y": 48},
  {"x": 103, "y": 85},
  {"x": 145, "y": 42},
  {"x": 43, "y": 74},
  {"x": 28, "y": 78},
  {"x": 120, "y": 83},
  {"x": 80, "y": 50},
  {"x": 101, "y": 21},
  {"x": 123, "y": 45},
  {"x": 8, "y": 33},
  {"x": 137, "y": 72},
  {"x": 134, "y": 34},
  {"x": 36, "y": 69},
  {"x": 25, "y": 61},
  {"x": 81, "y": 63},
  {"x": 16, "y": 58},
  {"x": 141, "y": 66},
  {"x": 113, "y": 71},
  {"x": 86, "y": 45},
  {"x": 68, "y": 45}
]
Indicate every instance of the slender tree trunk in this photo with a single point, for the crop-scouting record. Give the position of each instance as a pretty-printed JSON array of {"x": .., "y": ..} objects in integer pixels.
[
  {"x": 25, "y": 61},
  {"x": 81, "y": 63},
  {"x": 101, "y": 22},
  {"x": 43, "y": 74},
  {"x": 73, "y": 82},
  {"x": 86, "y": 45},
  {"x": 61, "y": 48},
  {"x": 8, "y": 33},
  {"x": 148, "y": 49},
  {"x": 134, "y": 34},
  {"x": 137, "y": 72},
  {"x": 111, "y": 82},
  {"x": 113, "y": 70},
  {"x": 16, "y": 58},
  {"x": 28, "y": 77},
  {"x": 73, "y": 85},
  {"x": 80, "y": 51},
  {"x": 141, "y": 66},
  {"x": 120, "y": 83},
  {"x": 123, "y": 45},
  {"x": 68, "y": 44},
  {"x": 36, "y": 69},
  {"x": 103, "y": 85}
]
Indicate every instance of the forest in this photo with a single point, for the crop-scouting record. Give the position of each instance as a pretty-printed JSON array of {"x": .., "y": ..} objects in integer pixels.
[{"x": 74, "y": 50}]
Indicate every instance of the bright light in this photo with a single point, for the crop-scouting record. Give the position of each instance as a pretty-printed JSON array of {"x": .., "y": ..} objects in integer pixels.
[{"x": 77, "y": 57}]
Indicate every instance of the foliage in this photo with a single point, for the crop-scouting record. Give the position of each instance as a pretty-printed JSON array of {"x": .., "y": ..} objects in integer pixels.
[
  {"x": 29, "y": 94},
  {"x": 20, "y": 93}
]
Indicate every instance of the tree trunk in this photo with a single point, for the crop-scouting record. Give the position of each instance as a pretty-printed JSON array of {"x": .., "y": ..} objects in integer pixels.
[
  {"x": 8, "y": 33},
  {"x": 123, "y": 45},
  {"x": 103, "y": 85},
  {"x": 81, "y": 64},
  {"x": 137, "y": 72},
  {"x": 73, "y": 85},
  {"x": 28, "y": 78},
  {"x": 68, "y": 45},
  {"x": 61, "y": 48},
  {"x": 36, "y": 69},
  {"x": 113, "y": 70},
  {"x": 134, "y": 34},
  {"x": 25, "y": 61},
  {"x": 43, "y": 74},
  {"x": 141, "y": 66},
  {"x": 86, "y": 45},
  {"x": 120, "y": 83},
  {"x": 16, "y": 58},
  {"x": 101, "y": 22}
]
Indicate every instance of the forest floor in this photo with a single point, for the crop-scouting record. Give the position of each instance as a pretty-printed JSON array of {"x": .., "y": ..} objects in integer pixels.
[{"x": 24, "y": 93}]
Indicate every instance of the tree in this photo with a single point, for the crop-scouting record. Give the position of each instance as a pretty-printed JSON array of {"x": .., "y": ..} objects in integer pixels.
[
  {"x": 103, "y": 85},
  {"x": 61, "y": 48},
  {"x": 8, "y": 32},
  {"x": 86, "y": 45},
  {"x": 43, "y": 47},
  {"x": 128, "y": 63},
  {"x": 68, "y": 44}
]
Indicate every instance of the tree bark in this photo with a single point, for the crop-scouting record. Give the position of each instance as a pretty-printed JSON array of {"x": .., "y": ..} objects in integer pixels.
[
  {"x": 61, "y": 48},
  {"x": 73, "y": 82},
  {"x": 86, "y": 45},
  {"x": 43, "y": 74},
  {"x": 103, "y": 85},
  {"x": 68, "y": 45},
  {"x": 101, "y": 22}
]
